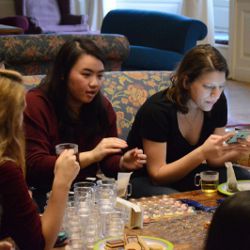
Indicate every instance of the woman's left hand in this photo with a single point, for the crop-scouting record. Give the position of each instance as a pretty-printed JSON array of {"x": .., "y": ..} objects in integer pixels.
[{"x": 133, "y": 160}]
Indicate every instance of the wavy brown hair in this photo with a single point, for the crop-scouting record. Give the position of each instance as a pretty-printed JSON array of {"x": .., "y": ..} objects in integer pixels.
[
  {"x": 198, "y": 61},
  {"x": 12, "y": 104}
]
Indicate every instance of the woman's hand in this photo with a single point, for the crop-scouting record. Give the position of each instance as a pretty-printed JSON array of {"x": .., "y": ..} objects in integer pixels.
[
  {"x": 107, "y": 146},
  {"x": 66, "y": 167},
  {"x": 133, "y": 160},
  {"x": 217, "y": 151}
]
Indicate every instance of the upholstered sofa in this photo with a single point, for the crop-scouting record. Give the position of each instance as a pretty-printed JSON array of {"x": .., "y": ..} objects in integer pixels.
[
  {"x": 127, "y": 91},
  {"x": 33, "y": 54}
]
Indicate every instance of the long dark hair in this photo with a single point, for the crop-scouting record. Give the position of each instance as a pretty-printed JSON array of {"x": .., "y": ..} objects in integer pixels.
[
  {"x": 228, "y": 229},
  {"x": 199, "y": 60},
  {"x": 93, "y": 116}
]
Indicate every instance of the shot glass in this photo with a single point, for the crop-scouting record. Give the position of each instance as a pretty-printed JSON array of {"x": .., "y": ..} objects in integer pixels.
[{"x": 60, "y": 147}]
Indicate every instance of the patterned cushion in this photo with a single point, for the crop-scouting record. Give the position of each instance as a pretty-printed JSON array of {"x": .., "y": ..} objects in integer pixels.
[{"x": 127, "y": 91}]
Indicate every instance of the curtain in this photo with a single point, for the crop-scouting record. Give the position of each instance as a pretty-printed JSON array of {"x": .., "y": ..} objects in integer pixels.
[
  {"x": 202, "y": 10},
  {"x": 95, "y": 9},
  {"x": 95, "y": 13}
]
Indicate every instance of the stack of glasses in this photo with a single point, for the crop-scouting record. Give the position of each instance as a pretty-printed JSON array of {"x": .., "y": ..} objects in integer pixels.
[{"x": 91, "y": 214}]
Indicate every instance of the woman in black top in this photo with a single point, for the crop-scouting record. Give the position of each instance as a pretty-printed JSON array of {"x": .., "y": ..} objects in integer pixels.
[{"x": 184, "y": 126}]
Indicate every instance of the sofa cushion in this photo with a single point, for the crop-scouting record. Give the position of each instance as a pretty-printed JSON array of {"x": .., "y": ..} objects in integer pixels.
[{"x": 128, "y": 90}]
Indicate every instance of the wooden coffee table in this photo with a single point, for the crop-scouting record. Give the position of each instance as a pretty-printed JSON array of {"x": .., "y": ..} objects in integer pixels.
[{"x": 186, "y": 231}]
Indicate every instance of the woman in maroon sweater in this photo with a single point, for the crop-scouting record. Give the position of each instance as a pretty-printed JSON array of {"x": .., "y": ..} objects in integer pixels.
[
  {"x": 68, "y": 106},
  {"x": 18, "y": 214}
]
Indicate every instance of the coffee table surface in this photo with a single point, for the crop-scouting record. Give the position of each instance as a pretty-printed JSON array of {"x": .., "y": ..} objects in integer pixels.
[{"x": 185, "y": 231}]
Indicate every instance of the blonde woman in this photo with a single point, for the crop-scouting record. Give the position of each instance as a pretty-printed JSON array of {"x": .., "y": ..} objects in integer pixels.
[{"x": 19, "y": 218}]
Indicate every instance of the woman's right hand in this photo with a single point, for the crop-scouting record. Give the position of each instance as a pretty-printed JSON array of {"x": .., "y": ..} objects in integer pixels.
[
  {"x": 66, "y": 167},
  {"x": 108, "y": 146},
  {"x": 214, "y": 146}
]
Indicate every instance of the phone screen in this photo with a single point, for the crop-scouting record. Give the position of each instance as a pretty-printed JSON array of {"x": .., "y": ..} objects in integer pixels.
[{"x": 240, "y": 134}]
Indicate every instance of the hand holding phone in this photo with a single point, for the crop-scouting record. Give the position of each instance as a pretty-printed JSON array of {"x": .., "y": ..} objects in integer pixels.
[{"x": 239, "y": 135}]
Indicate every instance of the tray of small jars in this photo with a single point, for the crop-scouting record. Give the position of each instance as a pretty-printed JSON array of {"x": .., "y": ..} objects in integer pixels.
[{"x": 158, "y": 207}]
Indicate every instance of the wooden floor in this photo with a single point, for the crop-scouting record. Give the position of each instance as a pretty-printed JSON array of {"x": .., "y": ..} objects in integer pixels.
[{"x": 238, "y": 98}]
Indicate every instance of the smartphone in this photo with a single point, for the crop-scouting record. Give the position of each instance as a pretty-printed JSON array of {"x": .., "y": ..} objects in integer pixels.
[{"x": 240, "y": 134}]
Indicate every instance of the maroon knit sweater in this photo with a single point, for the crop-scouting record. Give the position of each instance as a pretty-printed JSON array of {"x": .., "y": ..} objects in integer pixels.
[
  {"x": 42, "y": 134},
  {"x": 19, "y": 218}
]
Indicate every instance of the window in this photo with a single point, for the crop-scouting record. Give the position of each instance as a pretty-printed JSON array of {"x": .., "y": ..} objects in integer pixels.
[
  {"x": 173, "y": 6},
  {"x": 221, "y": 12},
  {"x": 221, "y": 21}
]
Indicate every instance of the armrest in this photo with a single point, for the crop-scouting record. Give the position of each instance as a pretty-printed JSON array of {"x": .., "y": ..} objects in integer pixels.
[
  {"x": 18, "y": 21},
  {"x": 74, "y": 19}
]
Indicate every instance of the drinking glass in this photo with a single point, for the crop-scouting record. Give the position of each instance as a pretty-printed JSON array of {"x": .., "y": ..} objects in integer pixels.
[
  {"x": 60, "y": 147},
  {"x": 208, "y": 180}
]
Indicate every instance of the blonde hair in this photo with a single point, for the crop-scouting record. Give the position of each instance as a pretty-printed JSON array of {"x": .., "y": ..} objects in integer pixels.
[{"x": 12, "y": 104}]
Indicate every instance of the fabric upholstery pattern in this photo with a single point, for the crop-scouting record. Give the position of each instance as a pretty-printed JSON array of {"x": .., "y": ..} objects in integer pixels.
[
  {"x": 127, "y": 91},
  {"x": 34, "y": 54}
]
